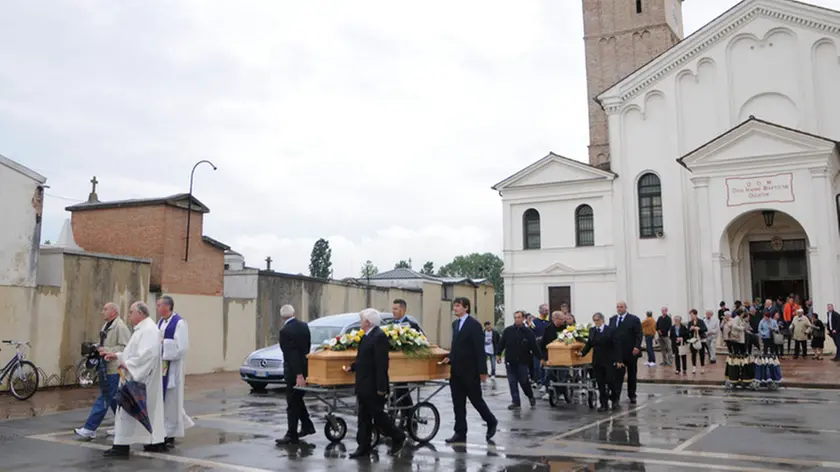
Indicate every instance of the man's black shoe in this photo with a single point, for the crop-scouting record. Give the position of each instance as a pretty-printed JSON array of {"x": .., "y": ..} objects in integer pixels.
[
  {"x": 307, "y": 431},
  {"x": 533, "y": 401},
  {"x": 633, "y": 401},
  {"x": 160, "y": 447},
  {"x": 616, "y": 406},
  {"x": 169, "y": 443},
  {"x": 117, "y": 451},
  {"x": 491, "y": 430},
  {"x": 514, "y": 406},
  {"x": 358, "y": 453},
  {"x": 603, "y": 408},
  {"x": 286, "y": 440},
  {"x": 397, "y": 445},
  {"x": 456, "y": 439}
]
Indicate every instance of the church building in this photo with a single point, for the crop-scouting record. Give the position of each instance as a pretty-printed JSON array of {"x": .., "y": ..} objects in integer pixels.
[{"x": 714, "y": 166}]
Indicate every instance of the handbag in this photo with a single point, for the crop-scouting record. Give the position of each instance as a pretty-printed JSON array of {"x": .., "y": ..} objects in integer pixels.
[
  {"x": 696, "y": 343},
  {"x": 778, "y": 338},
  {"x": 683, "y": 349}
]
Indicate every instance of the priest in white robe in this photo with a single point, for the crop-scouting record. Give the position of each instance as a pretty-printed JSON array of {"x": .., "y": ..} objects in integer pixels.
[
  {"x": 140, "y": 361},
  {"x": 176, "y": 343}
]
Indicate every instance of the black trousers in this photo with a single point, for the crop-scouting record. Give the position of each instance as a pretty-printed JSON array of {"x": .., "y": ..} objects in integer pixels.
[
  {"x": 769, "y": 346},
  {"x": 296, "y": 411},
  {"x": 796, "y": 347},
  {"x": 372, "y": 412},
  {"x": 702, "y": 352},
  {"x": 605, "y": 377},
  {"x": 462, "y": 388},
  {"x": 738, "y": 348},
  {"x": 631, "y": 366}
]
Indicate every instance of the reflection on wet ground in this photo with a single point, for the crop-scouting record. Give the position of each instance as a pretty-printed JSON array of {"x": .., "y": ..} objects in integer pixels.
[{"x": 671, "y": 428}]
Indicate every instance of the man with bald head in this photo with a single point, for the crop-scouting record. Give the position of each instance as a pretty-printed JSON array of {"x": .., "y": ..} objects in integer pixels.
[{"x": 112, "y": 338}]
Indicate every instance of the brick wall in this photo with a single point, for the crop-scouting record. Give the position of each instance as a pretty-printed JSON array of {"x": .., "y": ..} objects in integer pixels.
[
  {"x": 618, "y": 40},
  {"x": 157, "y": 232}
]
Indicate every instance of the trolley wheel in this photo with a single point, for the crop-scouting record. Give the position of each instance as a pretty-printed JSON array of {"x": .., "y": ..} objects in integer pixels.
[
  {"x": 774, "y": 386},
  {"x": 424, "y": 413},
  {"x": 335, "y": 428},
  {"x": 591, "y": 400},
  {"x": 552, "y": 398}
]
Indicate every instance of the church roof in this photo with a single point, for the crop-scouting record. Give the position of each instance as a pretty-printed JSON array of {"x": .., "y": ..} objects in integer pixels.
[
  {"x": 179, "y": 200},
  {"x": 752, "y": 121},
  {"x": 592, "y": 171},
  {"x": 822, "y": 19}
]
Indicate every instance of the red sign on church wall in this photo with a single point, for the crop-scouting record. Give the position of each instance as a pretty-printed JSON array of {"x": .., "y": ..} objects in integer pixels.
[{"x": 776, "y": 188}]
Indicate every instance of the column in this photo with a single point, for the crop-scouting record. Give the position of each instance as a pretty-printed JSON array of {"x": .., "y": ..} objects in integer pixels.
[
  {"x": 701, "y": 186},
  {"x": 727, "y": 282},
  {"x": 821, "y": 256}
]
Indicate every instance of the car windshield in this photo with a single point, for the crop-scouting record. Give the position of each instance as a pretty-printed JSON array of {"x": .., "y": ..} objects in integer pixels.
[{"x": 320, "y": 334}]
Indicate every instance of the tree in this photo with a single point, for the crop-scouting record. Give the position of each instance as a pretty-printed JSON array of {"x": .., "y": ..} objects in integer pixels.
[
  {"x": 320, "y": 265},
  {"x": 428, "y": 268},
  {"x": 403, "y": 264},
  {"x": 369, "y": 270},
  {"x": 47, "y": 242},
  {"x": 480, "y": 266}
]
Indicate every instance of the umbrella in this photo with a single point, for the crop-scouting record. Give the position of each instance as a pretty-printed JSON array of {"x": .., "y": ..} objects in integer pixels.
[{"x": 131, "y": 397}]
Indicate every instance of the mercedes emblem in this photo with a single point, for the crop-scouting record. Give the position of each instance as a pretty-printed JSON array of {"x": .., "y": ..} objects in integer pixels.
[{"x": 262, "y": 363}]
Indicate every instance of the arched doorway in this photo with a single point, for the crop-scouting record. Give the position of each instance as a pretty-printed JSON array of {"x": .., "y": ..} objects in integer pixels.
[{"x": 765, "y": 254}]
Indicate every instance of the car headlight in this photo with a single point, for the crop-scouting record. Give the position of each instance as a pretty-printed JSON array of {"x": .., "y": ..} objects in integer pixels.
[{"x": 245, "y": 361}]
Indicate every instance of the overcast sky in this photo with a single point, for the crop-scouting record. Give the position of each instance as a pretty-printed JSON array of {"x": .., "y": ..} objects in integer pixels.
[{"x": 378, "y": 125}]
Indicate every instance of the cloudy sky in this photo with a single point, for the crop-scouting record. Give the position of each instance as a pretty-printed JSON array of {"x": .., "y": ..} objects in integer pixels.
[{"x": 378, "y": 125}]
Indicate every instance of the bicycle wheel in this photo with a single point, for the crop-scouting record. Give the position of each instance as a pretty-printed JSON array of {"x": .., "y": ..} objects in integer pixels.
[
  {"x": 422, "y": 415},
  {"x": 23, "y": 380}
]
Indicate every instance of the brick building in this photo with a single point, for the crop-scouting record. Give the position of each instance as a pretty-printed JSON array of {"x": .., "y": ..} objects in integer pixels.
[{"x": 155, "y": 228}]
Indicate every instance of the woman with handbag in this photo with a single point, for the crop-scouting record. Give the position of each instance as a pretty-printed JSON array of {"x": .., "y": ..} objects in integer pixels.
[
  {"x": 697, "y": 330},
  {"x": 817, "y": 336},
  {"x": 679, "y": 336},
  {"x": 726, "y": 331},
  {"x": 784, "y": 334},
  {"x": 768, "y": 329}
]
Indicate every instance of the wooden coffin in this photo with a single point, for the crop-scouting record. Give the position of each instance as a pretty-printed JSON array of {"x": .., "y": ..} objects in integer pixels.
[
  {"x": 562, "y": 354},
  {"x": 327, "y": 367}
]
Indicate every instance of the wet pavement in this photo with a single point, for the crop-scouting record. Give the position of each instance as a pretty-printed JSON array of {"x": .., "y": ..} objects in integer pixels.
[{"x": 671, "y": 428}]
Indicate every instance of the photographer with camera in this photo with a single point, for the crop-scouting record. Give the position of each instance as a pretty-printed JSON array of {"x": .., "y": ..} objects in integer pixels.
[{"x": 113, "y": 338}]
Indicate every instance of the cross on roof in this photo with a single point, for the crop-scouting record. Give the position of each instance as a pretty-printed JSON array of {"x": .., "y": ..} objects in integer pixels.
[
  {"x": 94, "y": 182},
  {"x": 92, "y": 198},
  {"x": 268, "y": 263}
]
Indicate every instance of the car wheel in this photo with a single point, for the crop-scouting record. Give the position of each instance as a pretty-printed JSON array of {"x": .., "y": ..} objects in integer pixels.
[{"x": 257, "y": 386}]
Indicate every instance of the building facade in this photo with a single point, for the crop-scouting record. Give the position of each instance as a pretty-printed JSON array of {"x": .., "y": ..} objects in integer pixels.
[{"x": 723, "y": 182}]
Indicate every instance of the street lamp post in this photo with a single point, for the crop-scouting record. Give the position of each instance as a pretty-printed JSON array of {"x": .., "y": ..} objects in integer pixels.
[{"x": 189, "y": 207}]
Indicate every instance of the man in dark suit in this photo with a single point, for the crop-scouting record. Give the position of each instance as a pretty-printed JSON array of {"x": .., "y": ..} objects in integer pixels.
[
  {"x": 371, "y": 368},
  {"x": 519, "y": 346},
  {"x": 604, "y": 360},
  {"x": 403, "y": 394},
  {"x": 295, "y": 342},
  {"x": 832, "y": 319},
  {"x": 469, "y": 370},
  {"x": 628, "y": 337}
]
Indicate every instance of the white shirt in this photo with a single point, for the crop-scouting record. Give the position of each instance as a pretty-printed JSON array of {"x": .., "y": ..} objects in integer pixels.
[
  {"x": 461, "y": 321},
  {"x": 712, "y": 325}
]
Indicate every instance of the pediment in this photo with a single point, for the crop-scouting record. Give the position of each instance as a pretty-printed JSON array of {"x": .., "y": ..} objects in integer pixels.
[
  {"x": 554, "y": 169},
  {"x": 794, "y": 14},
  {"x": 756, "y": 140},
  {"x": 558, "y": 268}
]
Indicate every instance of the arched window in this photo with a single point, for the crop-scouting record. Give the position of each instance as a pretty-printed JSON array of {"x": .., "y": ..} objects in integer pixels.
[
  {"x": 584, "y": 226},
  {"x": 650, "y": 206},
  {"x": 531, "y": 229}
]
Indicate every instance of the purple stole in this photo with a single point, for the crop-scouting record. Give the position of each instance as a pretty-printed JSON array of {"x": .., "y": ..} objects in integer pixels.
[{"x": 168, "y": 333}]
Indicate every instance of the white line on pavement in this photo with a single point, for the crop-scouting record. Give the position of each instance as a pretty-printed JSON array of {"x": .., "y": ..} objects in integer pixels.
[
  {"x": 696, "y": 437},
  {"x": 610, "y": 418},
  {"x": 636, "y": 460}
]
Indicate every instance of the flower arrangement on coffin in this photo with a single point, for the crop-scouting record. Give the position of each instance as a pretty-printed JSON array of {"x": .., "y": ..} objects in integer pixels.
[
  {"x": 574, "y": 333},
  {"x": 401, "y": 338}
]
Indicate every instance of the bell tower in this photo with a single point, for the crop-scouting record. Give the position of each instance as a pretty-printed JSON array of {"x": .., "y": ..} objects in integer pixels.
[{"x": 619, "y": 37}]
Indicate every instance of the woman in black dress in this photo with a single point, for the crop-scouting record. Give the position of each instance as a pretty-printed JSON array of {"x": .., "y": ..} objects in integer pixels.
[
  {"x": 697, "y": 329},
  {"x": 817, "y": 336}
]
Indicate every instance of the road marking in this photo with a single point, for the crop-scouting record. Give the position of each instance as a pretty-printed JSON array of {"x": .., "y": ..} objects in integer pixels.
[
  {"x": 696, "y": 437},
  {"x": 51, "y": 437},
  {"x": 612, "y": 417},
  {"x": 709, "y": 455}
]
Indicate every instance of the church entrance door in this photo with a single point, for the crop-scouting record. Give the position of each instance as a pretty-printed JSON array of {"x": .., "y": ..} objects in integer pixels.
[{"x": 779, "y": 268}]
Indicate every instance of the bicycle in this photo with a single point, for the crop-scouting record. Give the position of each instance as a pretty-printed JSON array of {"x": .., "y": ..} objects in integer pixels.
[{"x": 23, "y": 375}]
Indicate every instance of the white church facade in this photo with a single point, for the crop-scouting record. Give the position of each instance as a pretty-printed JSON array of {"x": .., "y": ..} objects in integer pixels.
[{"x": 723, "y": 180}]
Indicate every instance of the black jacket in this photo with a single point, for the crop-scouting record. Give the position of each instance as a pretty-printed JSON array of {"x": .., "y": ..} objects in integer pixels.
[
  {"x": 295, "y": 342},
  {"x": 628, "y": 335},
  {"x": 700, "y": 333},
  {"x": 834, "y": 319},
  {"x": 519, "y": 345},
  {"x": 411, "y": 324},
  {"x": 466, "y": 355},
  {"x": 549, "y": 336},
  {"x": 672, "y": 334},
  {"x": 663, "y": 325},
  {"x": 371, "y": 366},
  {"x": 605, "y": 354}
]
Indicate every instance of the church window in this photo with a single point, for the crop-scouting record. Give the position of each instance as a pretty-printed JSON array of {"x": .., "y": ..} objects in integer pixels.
[
  {"x": 650, "y": 206},
  {"x": 584, "y": 226},
  {"x": 638, "y": 6},
  {"x": 531, "y": 229}
]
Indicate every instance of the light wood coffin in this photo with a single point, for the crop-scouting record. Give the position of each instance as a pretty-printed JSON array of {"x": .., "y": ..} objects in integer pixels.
[
  {"x": 327, "y": 367},
  {"x": 562, "y": 354}
]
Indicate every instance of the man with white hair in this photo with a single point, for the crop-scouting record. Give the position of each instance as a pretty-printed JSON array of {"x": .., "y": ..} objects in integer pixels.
[
  {"x": 371, "y": 368},
  {"x": 295, "y": 341},
  {"x": 713, "y": 328},
  {"x": 176, "y": 343},
  {"x": 140, "y": 361}
]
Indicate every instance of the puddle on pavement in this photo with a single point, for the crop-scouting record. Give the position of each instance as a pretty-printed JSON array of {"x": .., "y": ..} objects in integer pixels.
[{"x": 200, "y": 436}]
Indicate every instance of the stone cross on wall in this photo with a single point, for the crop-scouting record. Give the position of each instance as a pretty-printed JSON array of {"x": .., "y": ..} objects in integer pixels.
[
  {"x": 268, "y": 263},
  {"x": 93, "y": 197}
]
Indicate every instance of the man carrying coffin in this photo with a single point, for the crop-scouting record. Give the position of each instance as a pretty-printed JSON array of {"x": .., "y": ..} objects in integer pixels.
[
  {"x": 176, "y": 343},
  {"x": 140, "y": 361},
  {"x": 604, "y": 361}
]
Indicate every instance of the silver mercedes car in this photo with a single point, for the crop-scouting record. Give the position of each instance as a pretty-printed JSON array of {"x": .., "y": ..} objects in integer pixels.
[{"x": 264, "y": 367}]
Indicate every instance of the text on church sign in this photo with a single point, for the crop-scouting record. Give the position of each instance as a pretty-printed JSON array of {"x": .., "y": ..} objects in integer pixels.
[{"x": 775, "y": 188}]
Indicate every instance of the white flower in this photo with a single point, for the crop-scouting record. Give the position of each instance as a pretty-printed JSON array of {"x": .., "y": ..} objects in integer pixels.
[{"x": 333, "y": 342}]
